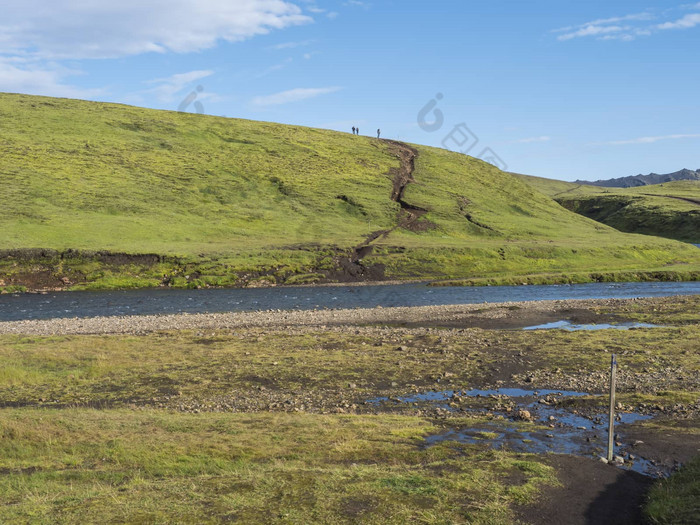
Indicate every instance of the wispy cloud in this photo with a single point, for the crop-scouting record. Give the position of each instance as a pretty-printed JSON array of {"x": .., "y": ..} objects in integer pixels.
[
  {"x": 687, "y": 22},
  {"x": 592, "y": 30},
  {"x": 604, "y": 27},
  {"x": 291, "y": 45},
  {"x": 36, "y": 78},
  {"x": 292, "y": 95},
  {"x": 630, "y": 27},
  {"x": 166, "y": 89},
  {"x": 357, "y": 3},
  {"x": 651, "y": 140},
  {"x": 530, "y": 140}
]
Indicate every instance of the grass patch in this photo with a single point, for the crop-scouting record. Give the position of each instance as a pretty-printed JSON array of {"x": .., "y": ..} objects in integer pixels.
[
  {"x": 82, "y": 465},
  {"x": 676, "y": 500}
]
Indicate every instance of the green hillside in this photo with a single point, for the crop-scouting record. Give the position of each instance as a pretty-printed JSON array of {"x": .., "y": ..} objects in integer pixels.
[
  {"x": 668, "y": 210},
  {"x": 211, "y": 201}
]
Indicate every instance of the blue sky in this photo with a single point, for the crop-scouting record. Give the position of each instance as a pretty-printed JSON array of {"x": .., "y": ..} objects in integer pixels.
[{"x": 565, "y": 90}]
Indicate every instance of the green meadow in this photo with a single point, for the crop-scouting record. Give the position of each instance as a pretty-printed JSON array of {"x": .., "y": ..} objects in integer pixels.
[
  {"x": 669, "y": 210},
  {"x": 224, "y": 202}
]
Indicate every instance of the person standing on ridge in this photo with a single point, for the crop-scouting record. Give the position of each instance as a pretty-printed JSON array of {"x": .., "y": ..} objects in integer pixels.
[
  {"x": 379, "y": 132},
  {"x": 353, "y": 130},
  {"x": 358, "y": 130}
]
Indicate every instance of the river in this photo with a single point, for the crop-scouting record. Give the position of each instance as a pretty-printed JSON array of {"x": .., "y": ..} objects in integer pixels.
[{"x": 166, "y": 301}]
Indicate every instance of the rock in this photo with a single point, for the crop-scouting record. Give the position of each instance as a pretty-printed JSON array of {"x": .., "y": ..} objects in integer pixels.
[
  {"x": 604, "y": 460},
  {"x": 619, "y": 460},
  {"x": 524, "y": 415}
]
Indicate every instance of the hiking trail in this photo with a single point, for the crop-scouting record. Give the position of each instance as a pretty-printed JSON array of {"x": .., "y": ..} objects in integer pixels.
[{"x": 408, "y": 214}]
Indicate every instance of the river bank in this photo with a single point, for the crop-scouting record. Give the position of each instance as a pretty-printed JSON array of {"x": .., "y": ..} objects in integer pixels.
[{"x": 505, "y": 315}]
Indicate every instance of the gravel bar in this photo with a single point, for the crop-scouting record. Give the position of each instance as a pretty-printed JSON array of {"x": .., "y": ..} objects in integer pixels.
[{"x": 280, "y": 318}]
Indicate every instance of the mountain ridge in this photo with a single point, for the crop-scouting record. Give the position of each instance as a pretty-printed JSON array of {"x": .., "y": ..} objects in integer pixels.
[{"x": 651, "y": 179}]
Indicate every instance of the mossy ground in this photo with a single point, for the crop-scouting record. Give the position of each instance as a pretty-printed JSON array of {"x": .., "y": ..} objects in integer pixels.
[
  {"x": 85, "y": 466},
  {"x": 270, "y": 426}
]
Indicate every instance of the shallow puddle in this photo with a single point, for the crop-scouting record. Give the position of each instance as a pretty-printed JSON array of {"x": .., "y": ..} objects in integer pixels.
[
  {"x": 568, "y": 325},
  {"x": 551, "y": 428}
]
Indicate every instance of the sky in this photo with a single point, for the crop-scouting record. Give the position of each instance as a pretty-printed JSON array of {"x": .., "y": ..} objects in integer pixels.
[{"x": 566, "y": 90}]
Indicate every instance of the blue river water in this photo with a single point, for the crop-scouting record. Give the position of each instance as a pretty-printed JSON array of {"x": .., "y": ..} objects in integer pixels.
[{"x": 166, "y": 301}]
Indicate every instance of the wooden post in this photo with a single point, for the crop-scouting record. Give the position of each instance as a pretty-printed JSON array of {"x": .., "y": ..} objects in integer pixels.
[{"x": 611, "y": 426}]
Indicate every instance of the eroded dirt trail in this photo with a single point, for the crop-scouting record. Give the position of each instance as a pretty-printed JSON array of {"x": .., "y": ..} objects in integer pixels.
[{"x": 408, "y": 213}]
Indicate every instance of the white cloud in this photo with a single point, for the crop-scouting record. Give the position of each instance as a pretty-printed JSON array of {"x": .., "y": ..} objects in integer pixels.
[
  {"x": 530, "y": 140},
  {"x": 36, "y": 35},
  {"x": 357, "y": 3},
  {"x": 291, "y": 45},
  {"x": 687, "y": 22},
  {"x": 18, "y": 76},
  {"x": 592, "y": 30},
  {"x": 167, "y": 88},
  {"x": 626, "y": 18},
  {"x": 293, "y": 95},
  {"x": 603, "y": 27},
  {"x": 612, "y": 29},
  {"x": 651, "y": 140},
  {"x": 76, "y": 29}
]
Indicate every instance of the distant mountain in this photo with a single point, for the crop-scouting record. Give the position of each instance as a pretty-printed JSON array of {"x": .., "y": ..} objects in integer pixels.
[{"x": 644, "y": 180}]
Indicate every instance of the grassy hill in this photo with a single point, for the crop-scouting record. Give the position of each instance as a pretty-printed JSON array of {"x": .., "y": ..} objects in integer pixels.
[
  {"x": 668, "y": 210},
  {"x": 101, "y": 195}
]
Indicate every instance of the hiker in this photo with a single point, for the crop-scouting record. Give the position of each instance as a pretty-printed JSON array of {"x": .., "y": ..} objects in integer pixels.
[
  {"x": 379, "y": 132},
  {"x": 353, "y": 130},
  {"x": 358, "y": 130}
]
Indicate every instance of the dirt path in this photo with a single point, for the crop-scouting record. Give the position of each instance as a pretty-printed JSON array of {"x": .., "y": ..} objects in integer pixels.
[
  {"x": 408, "y": 214},
  {"x": 591, "y": 493}
]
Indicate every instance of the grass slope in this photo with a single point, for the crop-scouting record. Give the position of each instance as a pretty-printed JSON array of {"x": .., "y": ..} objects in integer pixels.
[
  {"x": 667, "y": 210},
  {"x": 226, "y": 202}
]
